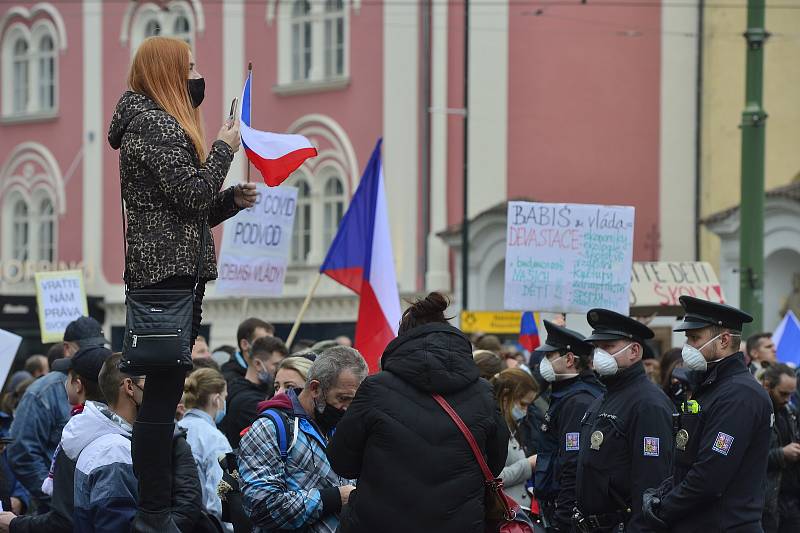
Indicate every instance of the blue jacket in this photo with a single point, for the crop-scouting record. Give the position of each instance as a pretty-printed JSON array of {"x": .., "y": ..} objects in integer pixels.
[
  {"x": 41, "y": 415},
  {"x": 300, "y": 493},
  {"x": 105, "y": 485},
  {"x": 15, "y": 488},
  {"x": 207, "y": 443}
]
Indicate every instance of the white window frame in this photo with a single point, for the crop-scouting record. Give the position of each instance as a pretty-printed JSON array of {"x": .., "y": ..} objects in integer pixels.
[
  {"x": 37, "y": 219},
  {"x": 317, "y": 77},
  {"x": 330, "y": 201},
  {"x": 33, "y": 36},
  {"x": 166, "y": 18},
  {"x": 297, "y": 236},
  {"x": 34, "y": 220}
]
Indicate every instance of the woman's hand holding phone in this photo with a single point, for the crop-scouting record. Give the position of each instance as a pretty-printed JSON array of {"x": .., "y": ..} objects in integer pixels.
[{"x": 229, "y": 133}]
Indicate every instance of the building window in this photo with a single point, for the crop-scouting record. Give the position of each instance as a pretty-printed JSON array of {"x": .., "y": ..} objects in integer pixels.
[
  {"x": 334, "y": 38},
  {"x": 152, "y": 28},
  {"x": 21, "y": 76},
  {"x": 182, "y": 28},
  {"x": 333, "y": 209},
  {"x": 301, "y": 40},
  {"x": 46, "y": 223},
  {"x": 312, "y": 42},
  {"x": 19, "y": 225},
  {"x": 47, "y": 74},
  {"x": 301, "y": 234}
]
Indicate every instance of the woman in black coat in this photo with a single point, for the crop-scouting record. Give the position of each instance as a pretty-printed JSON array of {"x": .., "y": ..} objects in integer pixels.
[
  {"x": 172, "y": 187},
  {"x": 415, "y": 470}
]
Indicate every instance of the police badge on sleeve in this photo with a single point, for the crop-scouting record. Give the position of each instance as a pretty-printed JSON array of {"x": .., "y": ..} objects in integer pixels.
[
  {"x": 723, "y": 443},
  {"x": 651, "y": 446}
]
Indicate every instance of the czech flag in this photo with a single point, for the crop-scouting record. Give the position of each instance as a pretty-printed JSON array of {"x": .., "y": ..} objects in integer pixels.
[
  {"x": 529, "y": 332},
  {"x": 787, "y": 339},
  {"x": 275, "y": 155},
  {"x": 361, "y": 259}
]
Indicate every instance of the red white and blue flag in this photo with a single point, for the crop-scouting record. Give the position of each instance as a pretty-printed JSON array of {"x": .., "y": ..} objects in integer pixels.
[
  {"x": 275, "y": 155},
  {"x": 361, "y": 259},
  {"x": 529, "y": 332}
]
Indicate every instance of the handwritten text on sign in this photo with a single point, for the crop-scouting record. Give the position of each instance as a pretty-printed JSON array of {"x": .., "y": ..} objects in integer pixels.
[
  {"x": 256, "y": 244},
  {"x": 568, "y": 257},
  {"x": 61, "y": 298}
]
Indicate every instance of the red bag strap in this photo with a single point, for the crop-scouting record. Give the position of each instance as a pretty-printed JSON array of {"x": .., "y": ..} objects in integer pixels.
[{"x": 467, "y": 435}]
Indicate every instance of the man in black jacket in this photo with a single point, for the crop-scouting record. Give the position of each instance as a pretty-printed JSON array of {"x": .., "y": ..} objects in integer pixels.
[
  {"x": 244, "y": 394},
  {"x": 722, "y": 442},
  {"x": 567, "y": 365},
  {"x": 626, "y": 436},
  {"x": 782, "y": 506}
]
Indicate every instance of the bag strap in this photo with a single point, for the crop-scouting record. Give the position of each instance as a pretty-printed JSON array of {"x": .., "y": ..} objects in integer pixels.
[
  {"x": 280, "y": 427},
  {"x": 200, "y": 255},
  {"x": 487, "y": 474}
]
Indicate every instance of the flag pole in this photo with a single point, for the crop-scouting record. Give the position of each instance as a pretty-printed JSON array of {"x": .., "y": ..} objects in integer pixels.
[
  {"x": 303, "y": 310},
  {"x": 250, "y": 76}
]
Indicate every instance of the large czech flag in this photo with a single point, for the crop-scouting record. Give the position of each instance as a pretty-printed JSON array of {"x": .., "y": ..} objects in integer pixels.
[
  {"x": 275, "y": 155},
  {"x": 361, "y": 259}
]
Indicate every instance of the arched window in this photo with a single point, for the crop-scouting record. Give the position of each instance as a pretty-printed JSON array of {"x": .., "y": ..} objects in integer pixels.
[
  {"x": 47, "y": 74},
  {"x": 301, "y": 234},
  {"x": 21, "y": 76},
  {"x": 182, "y": 28},
  {"x": 333, "y": 209},
  {"x": 334, "y": 38},
  {"x": 301, "y": 40},
  {"x": 19, "y": 225},
  {"x": 46, "y": 236},
  {"x": 152, "y": 28}
]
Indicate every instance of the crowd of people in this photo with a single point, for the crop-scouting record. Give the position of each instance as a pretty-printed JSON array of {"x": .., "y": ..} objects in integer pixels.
[{"x": 583, "y": 435}]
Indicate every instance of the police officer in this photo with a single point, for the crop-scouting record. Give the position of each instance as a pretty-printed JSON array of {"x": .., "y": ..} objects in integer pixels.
[
  {"x": 723, "y": 432},
  {"x": 626, "y": 436},
  {"x": 567, "y": 365}
]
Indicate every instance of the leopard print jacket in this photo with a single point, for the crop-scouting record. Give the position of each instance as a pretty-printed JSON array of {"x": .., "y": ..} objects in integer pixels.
[{"x": 168, "y": 193}]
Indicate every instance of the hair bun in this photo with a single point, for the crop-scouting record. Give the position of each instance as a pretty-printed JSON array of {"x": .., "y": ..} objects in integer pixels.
[{"x": 430, "y": 309}]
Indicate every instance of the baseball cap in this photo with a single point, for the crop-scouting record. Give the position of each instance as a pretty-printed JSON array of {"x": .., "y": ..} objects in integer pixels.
[
  {"x": 86, "y": 363},
  {"x": 86, "y": 331}
]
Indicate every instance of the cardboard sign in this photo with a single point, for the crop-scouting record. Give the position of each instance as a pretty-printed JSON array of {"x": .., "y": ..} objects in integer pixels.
[
  {"x": 60, "y": 298},
  {"x": 568, "y": 257},
  {"x": 256, "y": 244},
  {"x": 9, "y": 344},
  {"x": 657, "y": 286}
]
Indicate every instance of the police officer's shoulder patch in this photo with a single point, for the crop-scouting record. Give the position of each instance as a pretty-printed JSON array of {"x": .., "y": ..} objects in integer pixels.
[
  {"x": 723, "y": 443},
  {"x": 573, "y": 442},
  {"x": 651, "y": 446}
]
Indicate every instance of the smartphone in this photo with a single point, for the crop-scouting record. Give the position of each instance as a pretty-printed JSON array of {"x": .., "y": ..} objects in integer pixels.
[{"x": 234, "y": 107}]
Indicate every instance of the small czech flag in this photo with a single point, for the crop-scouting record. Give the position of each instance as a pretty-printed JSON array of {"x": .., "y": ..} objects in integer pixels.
[{"x": 529, "y": 332}]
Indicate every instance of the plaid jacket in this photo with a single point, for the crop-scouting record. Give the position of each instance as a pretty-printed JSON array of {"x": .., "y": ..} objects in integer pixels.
[{"x": 289, "y": 495}]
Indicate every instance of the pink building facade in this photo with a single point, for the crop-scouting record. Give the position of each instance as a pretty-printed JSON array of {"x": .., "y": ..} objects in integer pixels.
[{"x": 570, "y": 104}]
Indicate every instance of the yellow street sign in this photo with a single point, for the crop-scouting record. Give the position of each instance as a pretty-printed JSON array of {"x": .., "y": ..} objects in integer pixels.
[{"x": 497, "y": 322}]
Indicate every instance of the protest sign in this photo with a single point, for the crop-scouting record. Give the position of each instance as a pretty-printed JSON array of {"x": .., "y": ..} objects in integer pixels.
[
  {"x": 60, "y": 298},
  {"x": 568, "y": 257},
  {"x": 9, "y": 344},
  {"x": 657, "y": 286},
  {"x": 256, "y": 243}
]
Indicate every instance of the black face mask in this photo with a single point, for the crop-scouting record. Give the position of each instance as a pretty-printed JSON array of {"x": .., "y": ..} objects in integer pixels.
[
  {"x": 329, "y": 417},
  {"x": 197, "y": 90}
]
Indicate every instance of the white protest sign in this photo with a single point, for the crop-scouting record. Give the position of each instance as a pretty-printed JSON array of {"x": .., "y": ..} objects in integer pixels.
[
  {"x": 256, "y": 244},
  {"x": 9, "y": 344},
  {"x": 60, "y": 298},
  {"x": 568, "y": 257}
]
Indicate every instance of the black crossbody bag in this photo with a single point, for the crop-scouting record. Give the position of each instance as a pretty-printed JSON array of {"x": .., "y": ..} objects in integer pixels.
[{"x": 158, "y": 322}]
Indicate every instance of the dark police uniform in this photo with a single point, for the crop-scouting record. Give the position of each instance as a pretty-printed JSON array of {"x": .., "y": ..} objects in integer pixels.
[
  {"x": 554, "y": 479},
  {"x": 722, "y": 442},
  {"x": 626, "y": 437}
]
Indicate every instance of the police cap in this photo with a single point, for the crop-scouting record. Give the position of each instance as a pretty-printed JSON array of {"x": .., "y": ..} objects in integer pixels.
[
  {"x": 702, "y": 314},
  {"x": 564, "y": 340},
  {"x": 610, "y": 326}
]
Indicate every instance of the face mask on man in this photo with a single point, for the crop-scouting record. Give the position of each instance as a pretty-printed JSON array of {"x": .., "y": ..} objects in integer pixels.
[
  {"x": 327, "y": 416},
  {"x": 693, "y": 357},
  {"x": 605, "y": 363},
  {"x": 197, "y": 90},
  {"x": 548, "y": 372}
]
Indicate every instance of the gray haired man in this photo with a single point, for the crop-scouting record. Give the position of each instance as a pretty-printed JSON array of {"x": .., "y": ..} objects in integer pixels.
[{"x": 286, "y": 479}]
